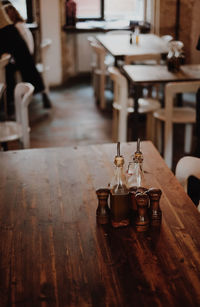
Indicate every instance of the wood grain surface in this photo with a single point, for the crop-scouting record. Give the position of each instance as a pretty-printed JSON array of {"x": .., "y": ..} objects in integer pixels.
[
  {"x": 52, "y": 252},
  {"x": 160, "y": 74},
  {"x": 119, "y": 45}
]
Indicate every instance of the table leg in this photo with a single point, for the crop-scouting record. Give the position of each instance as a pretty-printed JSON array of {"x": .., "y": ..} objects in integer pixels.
[
  {"x": 197, "y": 151},
  {"x": 136, "y": 93}
]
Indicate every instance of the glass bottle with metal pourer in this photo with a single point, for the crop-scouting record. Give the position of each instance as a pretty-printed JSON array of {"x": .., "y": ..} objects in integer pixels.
[
  {"x": 135, "y": 179},
  {"x": 135, "y": 173},
  {"x": 119, "y": 194}
]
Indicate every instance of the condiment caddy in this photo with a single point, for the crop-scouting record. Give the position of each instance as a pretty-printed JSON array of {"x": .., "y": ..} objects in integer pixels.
[{"x": 128, "y": 200}]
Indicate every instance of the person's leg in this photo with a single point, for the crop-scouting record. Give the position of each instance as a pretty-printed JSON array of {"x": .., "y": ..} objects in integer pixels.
[{"x": 10, "y": 86}]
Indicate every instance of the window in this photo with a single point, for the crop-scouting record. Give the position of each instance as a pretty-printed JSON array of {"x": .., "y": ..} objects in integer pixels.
[
  {"x": 111, "y": 9},
  {"x": 25, "y": 8}
]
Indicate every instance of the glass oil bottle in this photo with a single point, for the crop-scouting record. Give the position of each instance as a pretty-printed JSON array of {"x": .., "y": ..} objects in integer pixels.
[
  {"x": 119, "y": 194},
  {"x": 135, "y": 179},
  {"x": 135, "y": 173}
]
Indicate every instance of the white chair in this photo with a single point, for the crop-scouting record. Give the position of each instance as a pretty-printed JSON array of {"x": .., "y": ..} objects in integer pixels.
[
  {"x": 118, "y": 32},
  {"x": 99, "y": 72},
  {"x": 123, "y": 106},
  {"x": 19, "y": 129},
  {"x": 144, "y": 57},
  {"x": 186, "y": 167},
  {"x": 167, "y": 38},
  {"x": 170, "y": 115},
  {"x": 43, "y": 66}
]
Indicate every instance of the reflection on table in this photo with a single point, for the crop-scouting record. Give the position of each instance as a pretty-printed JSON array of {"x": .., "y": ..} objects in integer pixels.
[{"x": 53, "y": 252}]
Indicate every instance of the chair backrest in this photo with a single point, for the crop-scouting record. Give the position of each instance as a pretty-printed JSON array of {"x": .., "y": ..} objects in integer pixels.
[
  {"x": 23, "y": 95},
  {"x": 120, "y": 87},
  {"x": 44, "y": 46},
  {"x": 150, "y": 56},
  {"x": 186, "y": 167},
  {"x": 178, "y": 87},
  {"x": 167, "y": 38},
  {"x": 118, "y": 32},
  {"x": 100, "y": 53}
]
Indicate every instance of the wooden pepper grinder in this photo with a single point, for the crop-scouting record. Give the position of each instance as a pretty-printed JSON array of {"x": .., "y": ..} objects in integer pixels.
[
  {"x": 103, "y": 211},
  {"x": 142, "y": 220},
  {"x": 132, "y": 193},
  {"x": 155, "y": 212}
]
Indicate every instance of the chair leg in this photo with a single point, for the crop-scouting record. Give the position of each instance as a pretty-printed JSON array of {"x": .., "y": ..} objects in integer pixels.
[
  {"x": 102, "y": 89},
  {"x": 94, "y": 84},
  {"x": 188, "y": 138},
  {"x": 150, "y": 128}
]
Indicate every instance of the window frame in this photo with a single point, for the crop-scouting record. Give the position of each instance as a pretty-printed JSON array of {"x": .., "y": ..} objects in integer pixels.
[
  {"x": 102, "y": 15},
  {"x": 29, "y": 10},
  {"x": 102, "y": 18}
]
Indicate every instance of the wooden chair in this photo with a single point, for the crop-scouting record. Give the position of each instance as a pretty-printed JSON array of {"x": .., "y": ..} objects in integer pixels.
[
  {"x": 186, "y": 167},
  {"x": 19, "y": 129},
  {"x": 123, "y": 106},
  {"x": 99, "y": 72},
  {"x": 171, "y": 115}
]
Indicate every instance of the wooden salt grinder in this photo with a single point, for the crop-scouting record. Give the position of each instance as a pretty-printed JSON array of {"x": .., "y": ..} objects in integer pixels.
[
  {"x": 103, "y": 211},
  {"x": 142, "y": 220},
  {"x": 155, "y": 212}
]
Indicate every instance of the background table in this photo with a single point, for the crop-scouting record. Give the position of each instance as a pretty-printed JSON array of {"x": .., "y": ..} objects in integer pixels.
[
  {"x": 142, "y": 75},
  {"x": 119, "y": 45},
  {"x": 53, "y": 253}
]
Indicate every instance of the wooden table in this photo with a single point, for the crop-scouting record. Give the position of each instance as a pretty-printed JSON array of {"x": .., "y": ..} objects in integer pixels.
[
  {"x": 142, "y": 75},
  {"x": 119, "y": 45},
  {"x": 52, "y": 252}
]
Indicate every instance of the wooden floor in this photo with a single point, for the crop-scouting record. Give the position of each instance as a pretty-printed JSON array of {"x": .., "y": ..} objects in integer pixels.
[{"x": 75, "y": 119}]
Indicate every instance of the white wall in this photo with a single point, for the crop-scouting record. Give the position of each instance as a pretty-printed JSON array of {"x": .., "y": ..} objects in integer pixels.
[{"x": 51, "y": 28}]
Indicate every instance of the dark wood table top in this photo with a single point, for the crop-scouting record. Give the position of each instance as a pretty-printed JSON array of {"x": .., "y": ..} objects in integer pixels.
[
  {"x": 160, "y": 74},
  {"x": 119, "y": 45},
  {"x": 52, "y": 252}
]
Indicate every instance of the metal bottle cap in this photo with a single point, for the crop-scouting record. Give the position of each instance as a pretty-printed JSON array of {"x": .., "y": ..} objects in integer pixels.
[
  {"x": 119, "y": 160},
  {"x": 138, "y": 156}
]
